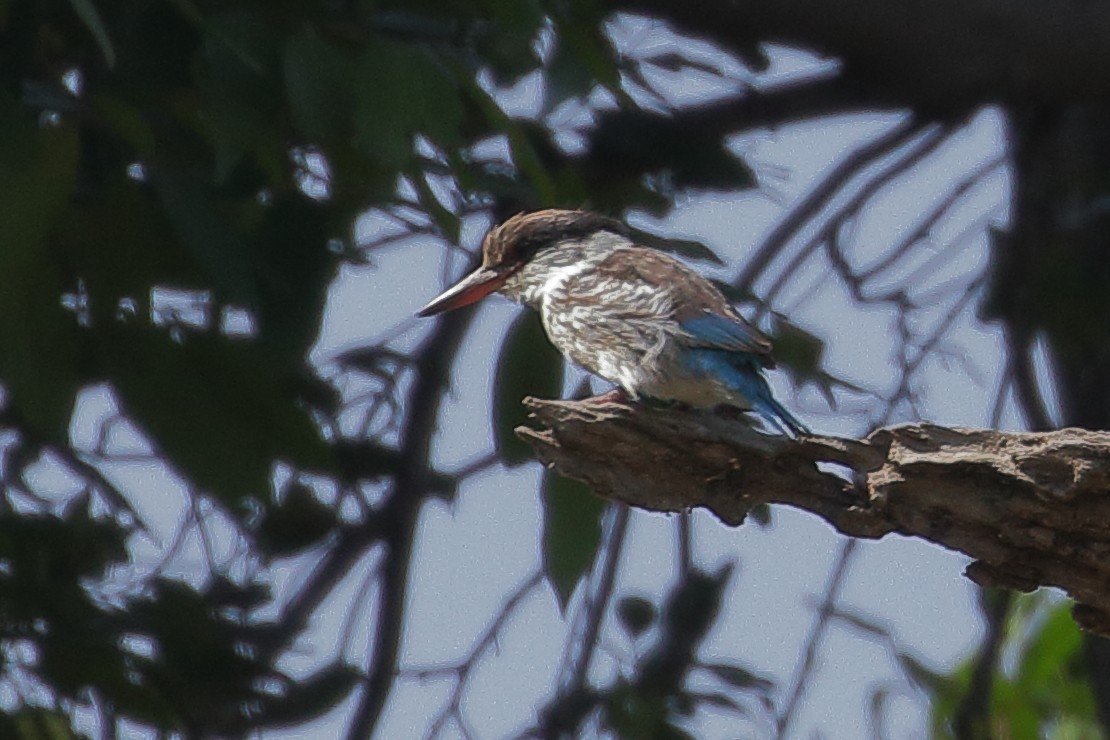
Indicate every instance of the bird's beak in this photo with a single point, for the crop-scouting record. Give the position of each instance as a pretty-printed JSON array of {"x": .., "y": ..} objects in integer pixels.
[{"x": 472, "y": 288}]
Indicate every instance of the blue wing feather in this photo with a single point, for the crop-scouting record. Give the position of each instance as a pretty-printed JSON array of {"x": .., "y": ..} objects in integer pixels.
[{"x": 723, "y": 332}]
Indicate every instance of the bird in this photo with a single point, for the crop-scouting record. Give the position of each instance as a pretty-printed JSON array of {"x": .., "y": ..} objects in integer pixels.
[{"x": 630, "y": 314}]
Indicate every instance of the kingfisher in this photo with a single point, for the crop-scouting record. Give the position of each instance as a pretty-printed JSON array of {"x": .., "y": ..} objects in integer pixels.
[{"x": 628, "y": 313}]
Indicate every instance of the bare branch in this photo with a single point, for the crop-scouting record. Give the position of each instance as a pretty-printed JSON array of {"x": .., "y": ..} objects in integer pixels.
[
  {"x": 817, "y": 198},
  {"x": 1021, "y": 365},
  {"x": 597, "y": 605},
  {"x": 931, "y": 218},
  {"x": 433, "y": 364},
  {"x": 925, "y": 145},
  {"x": 943, "y": 55},
  {"x": 462, "y": 671},
  {"x": 825, "y": 611},
  {"x": 1026, "y": 506}
]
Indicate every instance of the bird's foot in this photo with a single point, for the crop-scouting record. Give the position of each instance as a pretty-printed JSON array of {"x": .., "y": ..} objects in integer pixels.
[{"x": 617, "y": 395}]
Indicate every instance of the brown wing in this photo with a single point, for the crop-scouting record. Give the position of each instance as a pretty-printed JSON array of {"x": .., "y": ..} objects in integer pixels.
[{"x": 704, "y": 317}]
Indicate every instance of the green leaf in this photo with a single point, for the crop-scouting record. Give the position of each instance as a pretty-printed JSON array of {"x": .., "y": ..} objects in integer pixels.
[
  {"x": 318, "y": 79},
  {"x": 241, "y": 56},
  {"x": 581, "y": 33},
  {"x": 289, "y": 255},
  {"x": 507, "y": 44},
  {"x": 48, "y": 552},
  {"x": 35, "y": 723},
  {"x": 222, "y": 593},
  {"x": 528, "y": 366},
  {"x": 631, "y": 713},
  {"x": 801, "y": 350},
  {"x": 241, "y": 94},
  {"x": 116, "y": 257},
  {"x": 567, "y": 77},
  {"x": 571, "y": 532},
  {"x": 1049, "y": 677},
  {"x": 49, "y": 560},
  {"x": 753, "y": 54},
  {"x": 1012, "y": 715},
  {"x": 636, "y": 615},
  {"x": 310, "y": 697},
  {"x": 299, "y": 521},
  {"x": 524, "y": 141},
  {"x": 803, "y": 354},
  {"x": 125, "y": 120},
  {"x": 672, "y": 732},
  {"x": 215, "y": 246},
  {"x": 691, "y": 608},
  {"x": 403, "y": 91},
  {"x": 633, "y": 143},
  {"x": 89, "y": 15},
  {"x": 762, "y": 515},
  {"x": 38, "y": 166},
  {"x": 740, "y": 677},
  {"x": 1048, "y": 654},
  {"x": 212, "y": 405},
  {"x": 196, "y": 636}
]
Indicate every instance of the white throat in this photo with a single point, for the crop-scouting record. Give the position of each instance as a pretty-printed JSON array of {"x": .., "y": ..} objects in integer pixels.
[
  {"x": 556, "y": 281},
  {"x": 553, "y": 269}
]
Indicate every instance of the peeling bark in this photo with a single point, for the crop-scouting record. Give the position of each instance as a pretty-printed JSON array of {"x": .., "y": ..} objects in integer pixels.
[{"x": 1031, "y": 509}]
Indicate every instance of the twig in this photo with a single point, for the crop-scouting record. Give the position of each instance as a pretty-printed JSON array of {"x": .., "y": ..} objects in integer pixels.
[
  {"x": 918, "y": 150},
  {"x": 354, "y": 617},
  {"x": 816, "y": 635},
  {"x": 945, "y": 253},
  {"x": 597, "y": 605},
  {"x": 998, "y": 407},
  {"x": 196, "y": 502},
  {"x": 819, "y": 197},
  {"x": 1020, "y": 361},
  {"x": 434, "y": 360},
  {"x": 972, "y": 716},
  {"x": 685, "y": 531},
  {"x": 930, "y": 219},
  {"x": 909, "y": 366},
  {"x": 475, "y": 466},
  {"x": 106, "y": 488},
  {"x": 462, "y": 670}
]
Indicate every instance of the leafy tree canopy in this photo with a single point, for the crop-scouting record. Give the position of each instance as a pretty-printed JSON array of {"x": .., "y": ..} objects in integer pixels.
[{"x": 181, "y": 182}]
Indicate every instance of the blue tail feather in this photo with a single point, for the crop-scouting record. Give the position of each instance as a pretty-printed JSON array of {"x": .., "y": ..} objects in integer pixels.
[
  {"x": 776, "y": 413},
  {"x": 741, "y": 371}
]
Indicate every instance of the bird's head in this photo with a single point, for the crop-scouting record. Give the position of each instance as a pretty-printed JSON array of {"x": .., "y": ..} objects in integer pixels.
[{"x": 510, "y": 246}]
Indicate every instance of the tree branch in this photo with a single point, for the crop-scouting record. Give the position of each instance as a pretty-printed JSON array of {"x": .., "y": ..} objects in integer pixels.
[
  {"x": 434, "y": 360},
  {"x": 807, "y": 209},
  {"x": 821, "y": 623},
  {"x": 939, "y": 55},
  {"x": 1030, "y": 508}
]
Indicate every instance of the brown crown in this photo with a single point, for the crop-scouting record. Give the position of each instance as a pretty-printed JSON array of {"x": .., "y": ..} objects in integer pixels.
[{"x": 520, "y": 237}]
